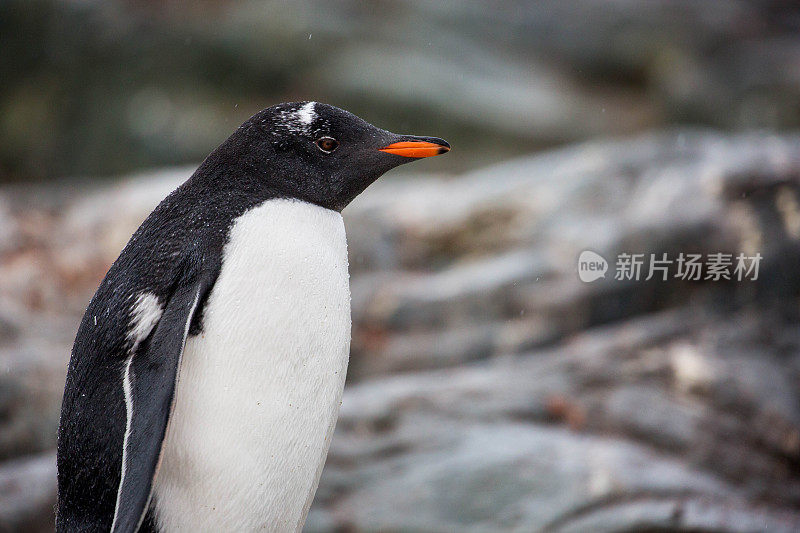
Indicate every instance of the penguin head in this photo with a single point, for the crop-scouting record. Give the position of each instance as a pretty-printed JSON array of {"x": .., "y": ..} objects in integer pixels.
[{"x": 320, "y": 153}]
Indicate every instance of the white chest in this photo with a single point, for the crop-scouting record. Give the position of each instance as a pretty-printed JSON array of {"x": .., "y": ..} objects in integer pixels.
[{"x": 259, "y": 390}]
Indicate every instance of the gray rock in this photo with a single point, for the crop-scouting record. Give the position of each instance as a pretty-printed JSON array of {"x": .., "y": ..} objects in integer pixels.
[{"x": 28, "y": 494}]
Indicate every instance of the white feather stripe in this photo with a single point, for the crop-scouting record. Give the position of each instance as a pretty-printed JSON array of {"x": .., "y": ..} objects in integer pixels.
[
  {"x": 126, "y": 388},
  {"x": 145, "y": 314},
  {"x": 306, "y": 113}
]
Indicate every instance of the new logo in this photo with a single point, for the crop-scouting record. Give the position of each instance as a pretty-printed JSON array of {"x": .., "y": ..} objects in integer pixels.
[{"x": 591, "y": 266}]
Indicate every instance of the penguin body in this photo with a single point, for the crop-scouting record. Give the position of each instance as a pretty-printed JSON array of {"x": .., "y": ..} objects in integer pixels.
[
  {"x": 207, "y": 371},
  {"x": 287, "y": 300}
]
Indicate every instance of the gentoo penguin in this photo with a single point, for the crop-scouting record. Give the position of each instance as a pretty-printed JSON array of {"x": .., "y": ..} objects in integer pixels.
[{"x": 207, "y": 373}]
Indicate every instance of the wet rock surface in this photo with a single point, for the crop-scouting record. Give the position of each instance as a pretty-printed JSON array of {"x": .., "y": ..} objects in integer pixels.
[{"x": 490, "y": 389}]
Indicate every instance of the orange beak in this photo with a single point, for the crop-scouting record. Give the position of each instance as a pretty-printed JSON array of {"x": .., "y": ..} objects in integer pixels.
[{"x": 416, "y": 149}]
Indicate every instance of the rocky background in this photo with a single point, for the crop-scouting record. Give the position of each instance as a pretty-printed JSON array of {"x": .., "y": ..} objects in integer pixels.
[{"x": 489, "y": 388}]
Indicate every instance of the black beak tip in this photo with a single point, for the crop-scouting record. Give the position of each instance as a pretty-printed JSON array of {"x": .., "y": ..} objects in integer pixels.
[{"x": 445, "y": 146}]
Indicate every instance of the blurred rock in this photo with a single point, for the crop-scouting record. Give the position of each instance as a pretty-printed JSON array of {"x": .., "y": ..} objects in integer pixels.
[
  {"x": 490, "y": 389},
  {"x": 522, "y": 477},
  {"x": 28, "y": 494},
  {"x": 100, "y": 87}
]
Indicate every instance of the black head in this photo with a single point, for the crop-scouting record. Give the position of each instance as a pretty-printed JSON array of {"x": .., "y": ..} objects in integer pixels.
[{"x": 319, "y": 153}]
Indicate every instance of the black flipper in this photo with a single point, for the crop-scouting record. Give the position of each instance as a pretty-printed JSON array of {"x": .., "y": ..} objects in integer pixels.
[{"x": 152, "y": 376}]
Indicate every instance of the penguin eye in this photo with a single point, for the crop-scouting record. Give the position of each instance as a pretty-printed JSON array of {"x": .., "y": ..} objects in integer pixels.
[{"x": 327, "y": 144}]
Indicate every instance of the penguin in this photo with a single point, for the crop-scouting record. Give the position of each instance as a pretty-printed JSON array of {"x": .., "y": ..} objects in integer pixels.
[{"x": 207, "y": 372}]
